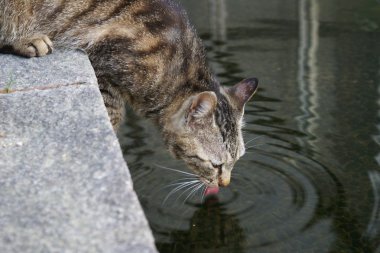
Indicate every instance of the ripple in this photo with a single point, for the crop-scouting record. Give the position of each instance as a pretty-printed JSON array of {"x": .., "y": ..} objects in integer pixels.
[
  {"x": 283, "y": 195},
  {"x": 273, "y": 200},
  {"x": 281, "y": 199}
]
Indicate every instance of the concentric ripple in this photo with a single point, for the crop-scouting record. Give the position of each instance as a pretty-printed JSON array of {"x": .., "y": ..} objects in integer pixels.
[
  {"x": 283, "y": 191},
  {"x": 274, "y": 203}
]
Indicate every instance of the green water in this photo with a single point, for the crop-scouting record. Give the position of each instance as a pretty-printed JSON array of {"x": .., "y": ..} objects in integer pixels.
[{"x": 311, "y": 180}]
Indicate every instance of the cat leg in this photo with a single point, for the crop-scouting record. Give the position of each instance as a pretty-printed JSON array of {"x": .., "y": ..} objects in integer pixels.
[
  {"x": 19, "y": 29},
  {"x": 32, "y": 47},
  {"x": 113, "y": 101}
]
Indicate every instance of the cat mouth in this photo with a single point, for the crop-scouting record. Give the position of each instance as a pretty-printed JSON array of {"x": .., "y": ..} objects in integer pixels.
[
  {"x": 211, "y": 190},
  {"x": 212, "y": 187},
  {"x": 209, "y": 183}
]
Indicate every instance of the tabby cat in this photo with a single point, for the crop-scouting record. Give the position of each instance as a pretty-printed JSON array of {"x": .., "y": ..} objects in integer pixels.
[{"x": 145, "y": 53}]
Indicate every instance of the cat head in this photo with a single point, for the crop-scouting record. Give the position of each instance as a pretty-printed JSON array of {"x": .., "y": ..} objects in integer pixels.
[{"x": 205, "y": 131}]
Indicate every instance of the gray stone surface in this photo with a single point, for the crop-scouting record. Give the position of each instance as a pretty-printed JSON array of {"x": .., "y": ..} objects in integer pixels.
[
  {"x": 64, "y": 186},
  {"x": 57, "y": 69}
]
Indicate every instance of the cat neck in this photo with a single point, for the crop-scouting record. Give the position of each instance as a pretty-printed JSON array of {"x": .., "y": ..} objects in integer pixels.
[
  {"x": 181, "y": 72},
  {"x": 170, "y": 101},
  {"x": 164, "y": 65}
]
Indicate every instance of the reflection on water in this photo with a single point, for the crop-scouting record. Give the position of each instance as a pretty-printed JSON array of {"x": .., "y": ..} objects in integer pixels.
[
  {"x": 307, "y": 65},
  {"x": 211, "y": 228},
  {"x": 373, "y": 228},
  {"x": 310, "y": 181}
]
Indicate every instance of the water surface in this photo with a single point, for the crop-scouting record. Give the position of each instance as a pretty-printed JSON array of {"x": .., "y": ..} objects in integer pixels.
[{"x": 310, "y": 182}]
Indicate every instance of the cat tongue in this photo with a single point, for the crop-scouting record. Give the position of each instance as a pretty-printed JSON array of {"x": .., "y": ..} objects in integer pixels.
[{"x": 211, "y": 191}]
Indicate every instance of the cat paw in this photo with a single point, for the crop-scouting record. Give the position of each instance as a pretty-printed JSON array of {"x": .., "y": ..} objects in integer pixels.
[{"x": 34, "y": 47}]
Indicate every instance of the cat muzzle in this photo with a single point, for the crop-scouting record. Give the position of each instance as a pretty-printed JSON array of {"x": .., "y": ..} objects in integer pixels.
[{"x": 224, "y": 179}]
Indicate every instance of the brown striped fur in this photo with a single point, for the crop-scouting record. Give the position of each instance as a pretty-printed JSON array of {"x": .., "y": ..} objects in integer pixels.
[{"x": 145, "y": 53}]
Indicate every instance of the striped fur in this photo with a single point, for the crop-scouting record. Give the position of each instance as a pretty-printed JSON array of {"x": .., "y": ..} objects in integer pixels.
[{"x": 145, "y": 53}]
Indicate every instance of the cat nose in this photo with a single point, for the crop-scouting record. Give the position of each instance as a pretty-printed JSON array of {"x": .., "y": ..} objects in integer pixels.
[
  {"x": 224, "y": 178},
  {"x": 224, "y": 181},
  {"x": 224, "y": 175}
]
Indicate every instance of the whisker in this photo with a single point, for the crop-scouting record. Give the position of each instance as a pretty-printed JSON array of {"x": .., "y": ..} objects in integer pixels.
[
  {"x": 180, "y": 171},
  {"x": 184, "y": 179},
  {"x": 257, "y": 145},
  {"x": 196, "y": 192},
  {"x": 180, "y": 183},
  {"x": 257, "y": 137},
  {"x": 177, "y": 189},
  {"x": 203, "y": 193},
  {"x": 192, "y": 192},
  {"x": 188, "y": 189},
  {"x": 200, "y": 188}
]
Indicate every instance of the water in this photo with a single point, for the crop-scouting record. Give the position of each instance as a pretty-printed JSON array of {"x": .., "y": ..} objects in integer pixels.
[{"x": 311, "y": 181}]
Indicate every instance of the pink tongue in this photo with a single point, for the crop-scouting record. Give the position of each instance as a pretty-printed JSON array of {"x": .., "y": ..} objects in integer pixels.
[{"x": 211, "y": 191}]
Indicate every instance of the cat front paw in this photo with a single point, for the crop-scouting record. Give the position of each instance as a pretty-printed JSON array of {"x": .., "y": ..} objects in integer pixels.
[{"x": 34, "y": 47}]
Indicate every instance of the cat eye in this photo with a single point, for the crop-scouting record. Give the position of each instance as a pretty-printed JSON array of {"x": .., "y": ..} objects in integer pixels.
[{"x": 218, "y": 167}]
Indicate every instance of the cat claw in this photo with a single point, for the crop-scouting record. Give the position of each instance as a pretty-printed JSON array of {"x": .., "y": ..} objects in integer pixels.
[{"x": 36, "y": 47}]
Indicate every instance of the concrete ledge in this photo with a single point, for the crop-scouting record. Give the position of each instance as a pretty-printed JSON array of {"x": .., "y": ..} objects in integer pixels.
[{"x": 64, "y": 186}]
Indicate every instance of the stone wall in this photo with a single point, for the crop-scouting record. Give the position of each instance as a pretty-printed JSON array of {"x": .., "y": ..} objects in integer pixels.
[{"x": 64, "y": 186}]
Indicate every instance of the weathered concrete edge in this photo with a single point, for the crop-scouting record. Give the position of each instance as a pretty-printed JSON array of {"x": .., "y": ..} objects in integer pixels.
[
  {"x": 58, "y": 69},
  {"x": 29, "y": 86}
]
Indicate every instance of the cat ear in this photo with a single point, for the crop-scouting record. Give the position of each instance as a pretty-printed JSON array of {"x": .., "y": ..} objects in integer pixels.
[
  {"x": 243, "y": 91},
  {"x": 203, "y": 104},
  {"x": 193, "y": 109}
]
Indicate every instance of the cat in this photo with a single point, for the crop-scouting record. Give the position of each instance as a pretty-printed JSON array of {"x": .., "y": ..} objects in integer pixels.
[{"x": 147, "y": 54}]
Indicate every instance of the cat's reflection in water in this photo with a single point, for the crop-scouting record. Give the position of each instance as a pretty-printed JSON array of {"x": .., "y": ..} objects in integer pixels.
[{"x": 211, "y": 230}]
